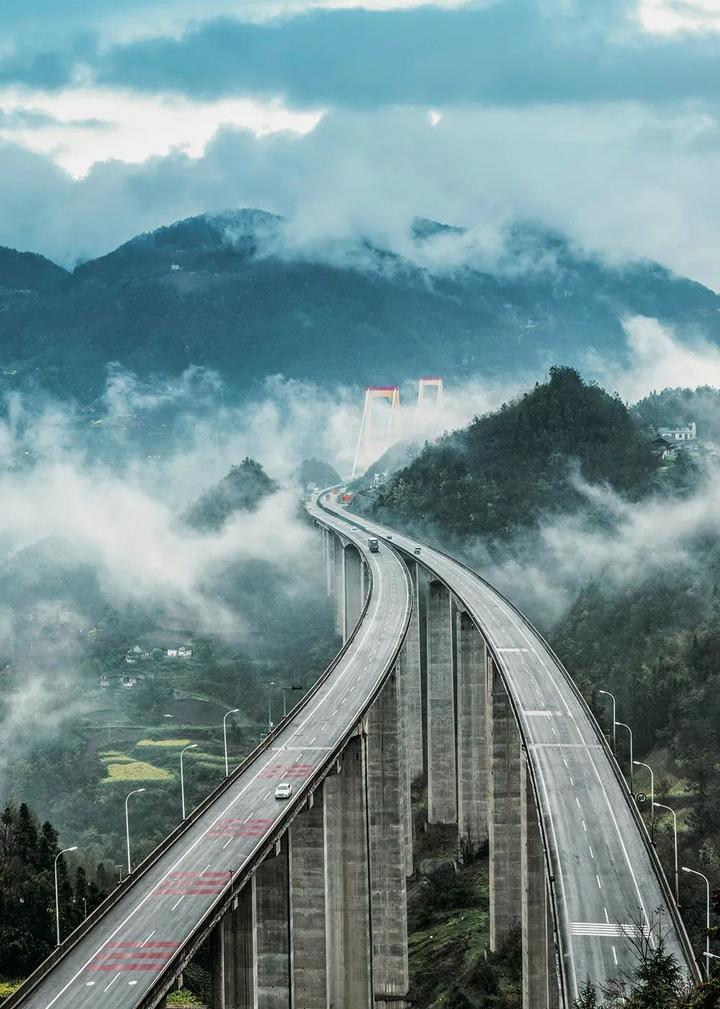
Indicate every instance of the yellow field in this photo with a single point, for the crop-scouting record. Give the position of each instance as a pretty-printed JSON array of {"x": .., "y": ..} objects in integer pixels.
[
  {"x": 135, "y": 770},
  {"x": 174, "y": 744}
]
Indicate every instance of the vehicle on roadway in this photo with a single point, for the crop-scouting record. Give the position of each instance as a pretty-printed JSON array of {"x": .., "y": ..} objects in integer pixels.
[
  {"x": 374, "y": 545},
  {"x": 283, "y": 790},
  {"x": 416, "y": 551},
  {"x": 388, "y": 537}
]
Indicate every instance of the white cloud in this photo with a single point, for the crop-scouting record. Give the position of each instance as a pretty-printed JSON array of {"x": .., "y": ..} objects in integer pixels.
[
  {"x": 89, "y": 124},
  {"x": 628, "y": 181},
  {"x": 668, "y": 17},
  {"x": 657, "y": 359}
]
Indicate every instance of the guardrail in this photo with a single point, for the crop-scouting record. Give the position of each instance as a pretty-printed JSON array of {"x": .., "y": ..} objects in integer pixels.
[{"x": 69, "y": 943}]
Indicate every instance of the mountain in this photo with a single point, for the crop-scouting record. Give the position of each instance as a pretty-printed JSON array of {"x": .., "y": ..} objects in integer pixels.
[
  {"x": 27, "y": 272},
  {"x": 243, "y": 489},
  {"x": 229, "y": 293}
]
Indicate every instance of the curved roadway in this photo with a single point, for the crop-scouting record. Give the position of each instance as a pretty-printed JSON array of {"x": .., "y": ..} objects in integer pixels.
[
  {"x": 123, "y": 956},
  {"x": 605, "y": 880}
]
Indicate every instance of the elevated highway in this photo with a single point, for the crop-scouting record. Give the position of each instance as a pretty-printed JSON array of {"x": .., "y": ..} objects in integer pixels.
[
  {"x": 131, "y": 954},
  {"x": 304, "y": 903},
  {"x": 603, "y": 881}
]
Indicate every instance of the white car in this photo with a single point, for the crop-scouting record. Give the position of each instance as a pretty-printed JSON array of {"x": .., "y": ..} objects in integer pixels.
[
  {"x": 416, "y": 551},
  {"x": 283, "y": 790}
]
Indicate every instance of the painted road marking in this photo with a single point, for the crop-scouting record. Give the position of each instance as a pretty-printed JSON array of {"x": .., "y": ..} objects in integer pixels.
[{"x": 598, "y": 929}]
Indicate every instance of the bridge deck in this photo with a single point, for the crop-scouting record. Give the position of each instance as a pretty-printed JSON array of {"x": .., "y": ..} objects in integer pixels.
[
  {"x": 605, "y": 879},
  {"x": 125, "y": 953}
]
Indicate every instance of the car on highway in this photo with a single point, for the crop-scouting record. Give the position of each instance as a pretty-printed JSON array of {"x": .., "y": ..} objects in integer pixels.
[
  {"x": 374, "y": 545},
  {"x": 283, "y": 790},
  {"x": 416, "y": 551},
  {"x": 388, "y": 537}
]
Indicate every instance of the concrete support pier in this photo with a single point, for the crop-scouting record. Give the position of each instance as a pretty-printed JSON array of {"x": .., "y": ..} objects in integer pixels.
[
  {"x": 441, "y": 769},
  {"x": 306, "y": 870},
  {"x": 472, "y": 770},
  {"x": 338, "y": 586},
  {"x": 386, "y": 820},
  {"x": 411, "y": 685},
  {"x": 537, "y": 946},
  {"x": 347, "y": 882},
  {"x": 504, "y": 813},
  {"x": 273, "y": 930},
  {"x": 353, "y": 588},
  {"x": 239, "y": 959}
]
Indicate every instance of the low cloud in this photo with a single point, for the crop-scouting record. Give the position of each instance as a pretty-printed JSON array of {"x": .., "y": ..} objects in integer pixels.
[
  {"x": 627, "y": 182},
  {"x": 633, "y": 544},
  {"x": 657, "y": 359}
]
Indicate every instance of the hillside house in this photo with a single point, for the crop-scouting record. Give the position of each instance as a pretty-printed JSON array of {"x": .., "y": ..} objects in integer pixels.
[{"x": 680, "y": 437}]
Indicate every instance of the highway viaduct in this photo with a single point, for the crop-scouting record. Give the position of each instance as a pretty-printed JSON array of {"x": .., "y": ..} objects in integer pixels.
[{"x": 303, "y": 902}]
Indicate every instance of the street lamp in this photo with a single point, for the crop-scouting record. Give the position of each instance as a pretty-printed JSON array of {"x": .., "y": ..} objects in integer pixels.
[
  {"x": 659, "y": 805},
  {"x": 192, "y": 746},
  {"x": 284, "y": 693},
  {"x": 135, "y": 791},
  {"x": 707, "y": 916},
  {"x": 233, "y": 712},
  {"x": 270, "y": 684},
  {"x": 57, "y": 892},
  {"x": 614, "y": 706},
  {"x": 624, "y": 726},
  {"x": 639, "y": 763}
]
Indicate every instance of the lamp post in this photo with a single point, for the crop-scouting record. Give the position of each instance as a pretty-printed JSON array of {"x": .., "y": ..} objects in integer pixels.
[
  {"x": 624, "y": 726},
  {"x": 614, "y": 706},
  {"x": 639, "y": 763},
  {"x": 57, "y": 892},
  {"x": 192, "y": 746},
  {"x": 270, "y": 684},
  {"x": 225, "y": 718},
  {"x": 659, "y": 805},
  {"x": 298, "y": 686},
  {"x": 707, "y": 916},
  {"x": 135, "y": 791}
]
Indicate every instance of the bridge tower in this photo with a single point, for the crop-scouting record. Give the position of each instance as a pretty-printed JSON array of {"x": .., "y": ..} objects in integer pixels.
[
  {"x": 436, "y": 388},
  {"x": 376, "y": 432}
]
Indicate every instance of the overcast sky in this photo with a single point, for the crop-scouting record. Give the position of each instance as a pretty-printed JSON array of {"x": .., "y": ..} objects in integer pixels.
[{"x": 595, "y": 117}]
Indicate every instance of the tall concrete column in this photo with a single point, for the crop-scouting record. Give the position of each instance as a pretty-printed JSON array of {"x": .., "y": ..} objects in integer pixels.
[
  {"x": 411, "y": 684},
  {"x": 240, "y": 951},
  {"x": 339, "y": 586},
  {"x": 353, "y": 583},
  {"x": 308, "y": 928},
  {"x": 273, "y": 930},
  {"x": 386, "y": 821},
  {"x": 347, "y": 882},
  {"x": 405, "y": 776},
  {"x": 327, "y": 547},
  {"x": 535, "y": 975},
  {"x": 504, "y": 814},
  {"x": 441, "y": 769},
  {"x": 217, "y": 966},
  {"x": 471, "y": 742}
]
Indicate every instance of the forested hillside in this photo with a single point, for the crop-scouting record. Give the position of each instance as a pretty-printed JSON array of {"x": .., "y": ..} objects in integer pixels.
[{"x": 507, "y": 468}]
